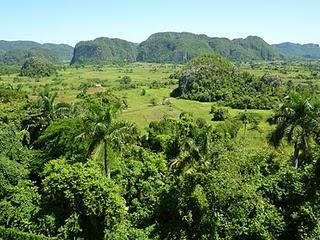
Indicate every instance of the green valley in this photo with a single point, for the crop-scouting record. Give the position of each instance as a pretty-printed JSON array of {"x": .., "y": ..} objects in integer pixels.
[{"x": 143, "y": 128}]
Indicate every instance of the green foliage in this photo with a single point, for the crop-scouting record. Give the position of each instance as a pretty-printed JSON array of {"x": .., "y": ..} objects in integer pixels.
[
  {"x": 249, "y": 118},
  {"x": 213, "y": 79},
  {"x": 10, "y": 173},
  {"x": 64, "y": 52},
  {"x": 154, "y": 101},
  {"x": 37, "y": 114},
  {"x": 36, "y": 67},
  {"x": 220, "y": 201},
  {"x": 14, "y": 158},
  {"x": 59, "y": 139},
  {"x": 81, "y": 193},
  {"x": 143, "y": 92},
  {"x": 143, "y": 177},
  {"x": 229, "y": 128},
  {"x": 183, "y": 141},
  {"x": 7, "y": 70},
  {"x": 102, "y": 131},
  {"x": 9, "y": 93},
  {"x": 19, "y": 207},
  {"x": 125, "y": 80},
  {"x": 172, "y": 47},
  {"x": 298, "y": 121},
  {"x": 219, "y": 114},
  {"x": 15, "y": 234}
]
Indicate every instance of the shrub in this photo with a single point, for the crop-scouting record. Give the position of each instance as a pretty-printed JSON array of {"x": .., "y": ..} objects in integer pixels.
[
  {"x": 143, "y": 92},
  {"x": 125, "y": 80},
  {"x": 219, "y": 114},
  {"x": 153, "y": 101}
]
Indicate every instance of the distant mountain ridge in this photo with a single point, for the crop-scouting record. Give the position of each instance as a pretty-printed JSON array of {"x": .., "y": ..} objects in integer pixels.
[
  {"x": 172, "y": 47},
  {"x": 296, "y": 50},
  {"x": 163, "y": 47},
  {"x": 16, "y": 52}
]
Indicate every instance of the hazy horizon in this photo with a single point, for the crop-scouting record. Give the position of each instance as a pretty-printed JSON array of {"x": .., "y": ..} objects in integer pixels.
[{"x": 72, "y": 21}]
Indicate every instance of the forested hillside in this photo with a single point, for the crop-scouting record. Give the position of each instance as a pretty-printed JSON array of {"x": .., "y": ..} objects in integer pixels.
[
  {"x": 104, "y": 50},
  {"x": 300, "y": 51},
  {"x": 181, "y": 47},
  {"x": 214, "y": 79},
  {"x": 16, "y": 52},
  {"x": 172, "y": 47}
]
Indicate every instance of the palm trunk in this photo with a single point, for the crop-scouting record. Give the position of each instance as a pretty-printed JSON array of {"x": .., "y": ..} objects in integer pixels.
[
  {"x": 106, "y": 161},
  {"x": 245, "y": 130},
  {"x": 307, "y": 149},
  {"x": 296, "y": 155}
]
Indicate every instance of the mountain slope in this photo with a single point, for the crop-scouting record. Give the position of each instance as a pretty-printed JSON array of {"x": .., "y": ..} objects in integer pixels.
[
  {"x": 294, "y": 50},
  {"x": 104, "y": 50},
  {"x": 256, "y": 48},
  {"x": 63, "y": 51},
  {"x": 173, "y": 47},
  {"x": 16, "y": 52}
]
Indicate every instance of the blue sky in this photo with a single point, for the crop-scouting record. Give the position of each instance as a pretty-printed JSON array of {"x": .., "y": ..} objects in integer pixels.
[{"x": 69, "y": 21}]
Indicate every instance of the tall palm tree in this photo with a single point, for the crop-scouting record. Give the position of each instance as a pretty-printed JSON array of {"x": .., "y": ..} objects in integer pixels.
[
  {"x": 103, "y": 132},
  {"x": 298, "y": 121}
]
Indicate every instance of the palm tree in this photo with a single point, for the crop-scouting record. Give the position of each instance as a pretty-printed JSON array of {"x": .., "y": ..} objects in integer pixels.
[
  {"x": 187, "y": 144},
  {"x": 298, "y": 121},
  {"x": 188, "y": 153},
  {"x": 47, "y": 100},
  {"x": 103, "y": 132},
  {"x": 249, "y": 118},
  {"x": 52, "y": 110}
]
